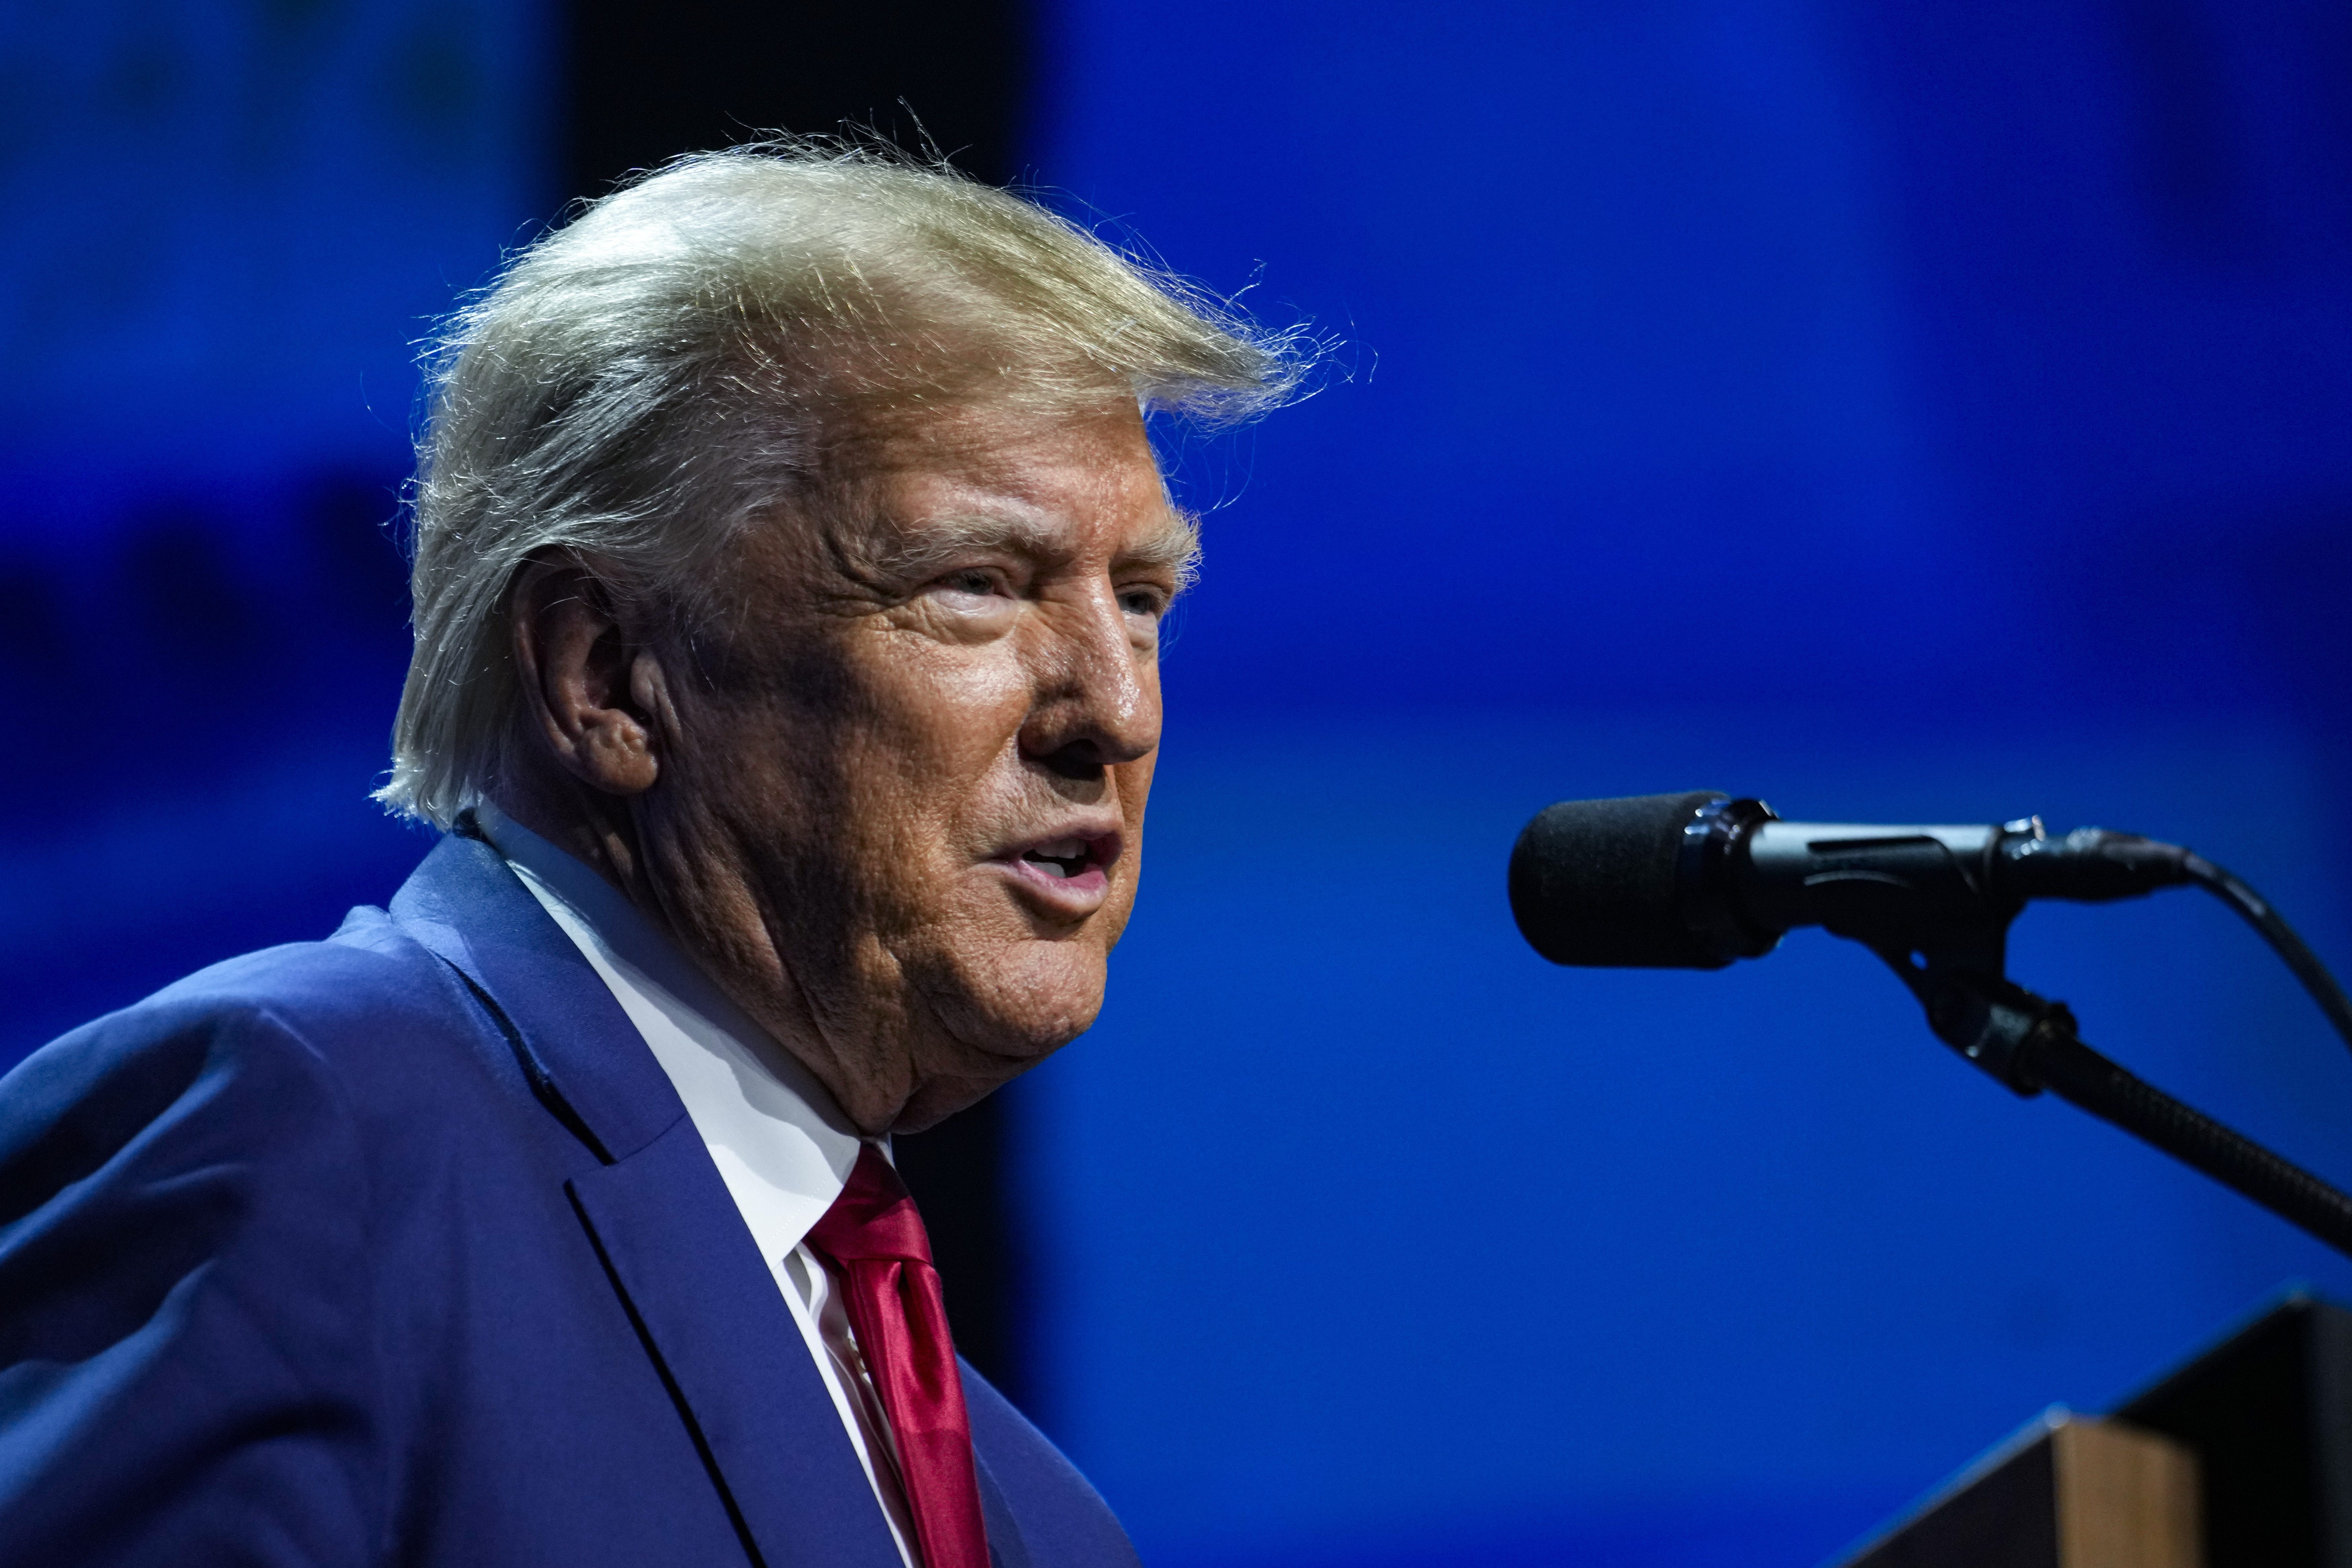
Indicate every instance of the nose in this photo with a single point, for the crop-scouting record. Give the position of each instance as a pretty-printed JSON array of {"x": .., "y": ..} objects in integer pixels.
[{"x": 1097, "y": 693}]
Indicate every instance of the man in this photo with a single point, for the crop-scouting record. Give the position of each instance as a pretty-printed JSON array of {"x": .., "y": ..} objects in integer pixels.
[{"x": 790, "y": 560}]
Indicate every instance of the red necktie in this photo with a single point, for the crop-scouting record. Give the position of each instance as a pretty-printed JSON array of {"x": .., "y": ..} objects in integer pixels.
[{"x": 875, "y": 1238}]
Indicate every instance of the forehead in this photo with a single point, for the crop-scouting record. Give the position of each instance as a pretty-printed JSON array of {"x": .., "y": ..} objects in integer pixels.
[{"x": 1045, "y": 487}]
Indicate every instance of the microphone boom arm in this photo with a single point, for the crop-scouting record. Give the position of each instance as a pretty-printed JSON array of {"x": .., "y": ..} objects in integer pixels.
[{"x": 2029, "y": 1044}]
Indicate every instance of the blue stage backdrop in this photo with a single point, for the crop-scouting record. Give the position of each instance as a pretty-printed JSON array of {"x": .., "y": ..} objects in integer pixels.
[
  {"x": 1935, "y": 411},
  {"x": 229, "y": 227},
  {"x": 1929, "y": 412}
]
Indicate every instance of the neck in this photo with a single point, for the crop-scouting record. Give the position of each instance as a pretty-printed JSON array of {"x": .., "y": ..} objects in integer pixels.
[
  {"x": 596, "y": 829},
  {"x": 737, "y": 954}
]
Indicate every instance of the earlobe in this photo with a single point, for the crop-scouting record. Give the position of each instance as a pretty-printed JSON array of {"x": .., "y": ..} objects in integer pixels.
[
  {"x": 595, "y": 700},
  {"x": 616, "y": 752},
  {"x": 626, "y": 752}
]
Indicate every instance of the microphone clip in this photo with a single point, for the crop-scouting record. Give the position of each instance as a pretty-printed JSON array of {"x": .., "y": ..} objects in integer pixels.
[
  {"x": 2029, "y": 1044},
  {"x": 1993, "y": 1021}
]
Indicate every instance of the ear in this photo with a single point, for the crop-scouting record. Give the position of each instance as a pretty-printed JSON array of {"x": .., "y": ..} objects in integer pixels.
[{"x": 596, "y": 697}]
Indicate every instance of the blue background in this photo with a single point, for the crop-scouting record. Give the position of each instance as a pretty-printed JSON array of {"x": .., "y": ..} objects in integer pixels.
[{"x": 1936, "y": 411}]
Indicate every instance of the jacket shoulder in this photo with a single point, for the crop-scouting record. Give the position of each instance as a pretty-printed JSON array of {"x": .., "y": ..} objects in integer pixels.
[
  {"x": 316, "y": 1011},
  {"x": 206, "y": 1201},
  {"x": 367, "y": 974},
  {"x": 187, "y": 1223}
]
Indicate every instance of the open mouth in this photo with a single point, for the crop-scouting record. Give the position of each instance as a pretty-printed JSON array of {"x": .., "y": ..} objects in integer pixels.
[
  {"x": 1072, "y": 873},
  {"x": 1066, "y": 859}
]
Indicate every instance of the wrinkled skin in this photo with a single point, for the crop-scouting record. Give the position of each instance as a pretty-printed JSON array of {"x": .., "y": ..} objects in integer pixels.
[{"x": 892, "y": 797}]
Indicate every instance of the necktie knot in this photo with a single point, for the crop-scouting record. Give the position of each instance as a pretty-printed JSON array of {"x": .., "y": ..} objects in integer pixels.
[{"x": 872, "y": 1218}]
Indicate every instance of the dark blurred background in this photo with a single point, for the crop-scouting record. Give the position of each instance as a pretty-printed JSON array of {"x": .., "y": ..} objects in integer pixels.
[{"x": 1934, "y": 412}]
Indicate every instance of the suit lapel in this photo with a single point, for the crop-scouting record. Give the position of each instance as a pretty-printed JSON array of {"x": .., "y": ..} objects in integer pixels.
[
  {"x": 708, "y": 1308},
  {"x": 572, "y": 1040},
  {"x": 694, "y": 1284},
  {"x": 1005, "y": 1547}
]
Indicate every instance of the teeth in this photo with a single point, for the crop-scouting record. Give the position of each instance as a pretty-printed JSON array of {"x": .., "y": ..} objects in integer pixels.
[{"x": 1063, "y": 858}]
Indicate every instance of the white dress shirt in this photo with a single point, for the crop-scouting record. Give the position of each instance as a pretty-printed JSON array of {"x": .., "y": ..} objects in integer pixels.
[{"x": 782, "y": 1146}]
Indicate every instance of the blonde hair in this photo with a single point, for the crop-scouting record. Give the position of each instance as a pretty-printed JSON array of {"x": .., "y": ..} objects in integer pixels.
[{"x": 640, "y": 383}]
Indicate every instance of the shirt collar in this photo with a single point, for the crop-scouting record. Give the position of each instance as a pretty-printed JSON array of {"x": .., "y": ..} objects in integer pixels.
[{"x": 781, "y": 1144}]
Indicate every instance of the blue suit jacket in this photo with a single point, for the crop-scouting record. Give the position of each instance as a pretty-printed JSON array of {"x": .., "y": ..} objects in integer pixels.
[{"x": 399, "y": 1247}]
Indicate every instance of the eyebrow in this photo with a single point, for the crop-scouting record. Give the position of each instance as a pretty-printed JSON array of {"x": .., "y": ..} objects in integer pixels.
[{"x": 1174, "y": 546}]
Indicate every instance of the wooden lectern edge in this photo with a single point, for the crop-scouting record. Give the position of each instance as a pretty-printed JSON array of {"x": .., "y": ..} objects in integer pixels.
[
  {"x": 2127, "y": 1498},
  {"x": 2109, "y": 1470}
]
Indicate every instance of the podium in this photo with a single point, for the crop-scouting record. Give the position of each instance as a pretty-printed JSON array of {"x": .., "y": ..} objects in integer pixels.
[{"x": 2240, "y": 1459}]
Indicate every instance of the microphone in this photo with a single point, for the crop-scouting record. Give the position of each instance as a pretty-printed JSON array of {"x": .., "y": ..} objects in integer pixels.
[{"x": 1696, "y": 881}]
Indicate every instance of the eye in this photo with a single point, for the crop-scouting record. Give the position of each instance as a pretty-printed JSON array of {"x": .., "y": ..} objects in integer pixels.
[
  {"x": 966, "y": 584},
  {"x": 1147, "y": 599}
]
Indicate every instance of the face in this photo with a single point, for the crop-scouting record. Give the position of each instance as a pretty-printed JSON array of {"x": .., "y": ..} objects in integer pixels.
[{"x": 900, "y": 806}]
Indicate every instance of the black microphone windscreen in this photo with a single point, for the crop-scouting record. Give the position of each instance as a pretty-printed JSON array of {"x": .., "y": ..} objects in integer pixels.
[{"x": 1594, "y": 882}]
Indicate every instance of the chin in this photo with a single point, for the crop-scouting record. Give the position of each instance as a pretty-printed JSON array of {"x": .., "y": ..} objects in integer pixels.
[
  {"x": 941, "y": 1098},
  {"x": 1013, "y": 1007}
]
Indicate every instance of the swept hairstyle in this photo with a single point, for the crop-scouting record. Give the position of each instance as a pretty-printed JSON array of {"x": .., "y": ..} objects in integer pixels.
[{"x": 712, "y": 341}]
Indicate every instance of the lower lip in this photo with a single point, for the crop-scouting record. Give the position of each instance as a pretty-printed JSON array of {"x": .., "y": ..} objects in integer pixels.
[{"x": 1082, "y": 893}]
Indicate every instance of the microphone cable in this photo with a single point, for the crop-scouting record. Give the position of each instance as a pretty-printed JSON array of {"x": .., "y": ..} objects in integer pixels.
[{"x": 2293, "y": 951}]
